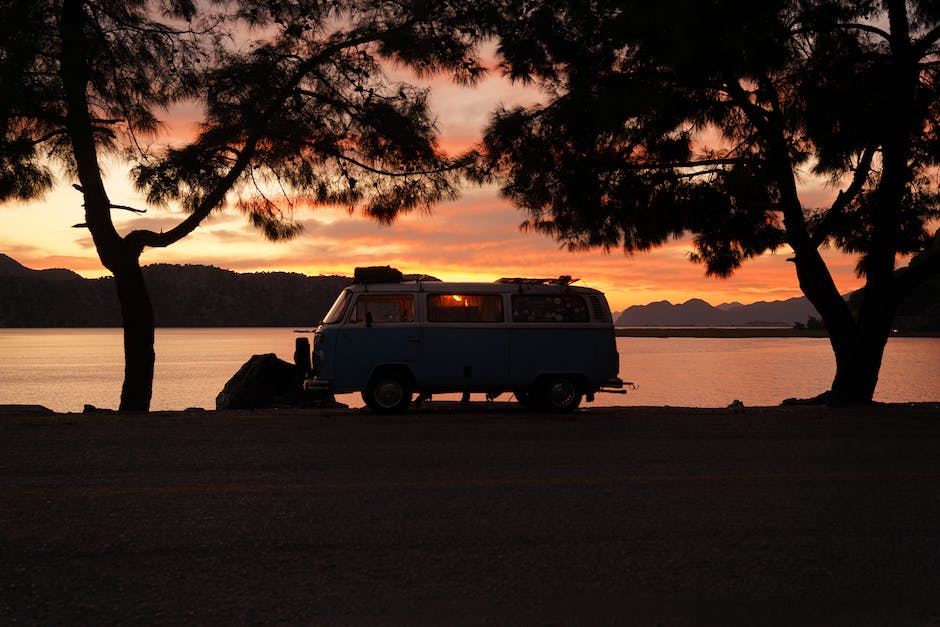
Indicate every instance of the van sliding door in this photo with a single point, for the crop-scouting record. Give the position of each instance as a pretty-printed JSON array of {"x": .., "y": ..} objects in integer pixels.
[{"x": 466, "y": 342}]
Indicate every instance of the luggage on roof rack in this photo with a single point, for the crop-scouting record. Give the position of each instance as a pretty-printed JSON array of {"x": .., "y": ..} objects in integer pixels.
[
  {"x": 377, "y": 274},
  {"x": 387, "y": 274}
]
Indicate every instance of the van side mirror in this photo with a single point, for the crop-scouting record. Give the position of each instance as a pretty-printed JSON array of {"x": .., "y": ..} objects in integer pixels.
[{"x": 368, "y": 318}]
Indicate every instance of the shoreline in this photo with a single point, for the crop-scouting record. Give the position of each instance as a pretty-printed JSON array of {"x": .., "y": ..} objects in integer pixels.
[
  {"x": 924, "y": 410},
  {"x": 640, "y": 331},
  {"x": 740, "y": 332}
]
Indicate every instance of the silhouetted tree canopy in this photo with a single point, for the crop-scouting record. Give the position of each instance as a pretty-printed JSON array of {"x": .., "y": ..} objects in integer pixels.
[
  {"x": 296, "y": 111},
  {"x": 667, "y": 118},
  {"x": 298, "y": 108}
]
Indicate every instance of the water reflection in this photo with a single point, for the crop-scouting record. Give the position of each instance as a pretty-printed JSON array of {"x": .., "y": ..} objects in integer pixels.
[{"x": 65, "y": 368}]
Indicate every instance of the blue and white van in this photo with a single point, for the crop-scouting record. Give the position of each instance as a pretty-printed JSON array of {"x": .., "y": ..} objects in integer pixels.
[{"x": 548, "y": 342}]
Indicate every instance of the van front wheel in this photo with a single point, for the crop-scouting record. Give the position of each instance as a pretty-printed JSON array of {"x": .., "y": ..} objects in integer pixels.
[
  {"x": 387, "y": 394},
  {"x": 559, "y": 394}
]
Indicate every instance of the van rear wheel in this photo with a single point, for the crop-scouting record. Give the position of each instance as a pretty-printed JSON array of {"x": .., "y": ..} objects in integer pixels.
[
  {"x": 388, "y": 393},
  {"x": 559, "y": 394}
]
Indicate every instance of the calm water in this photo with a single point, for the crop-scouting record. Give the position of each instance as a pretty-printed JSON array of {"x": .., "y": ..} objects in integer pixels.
[{"x": 64, "y": 369}]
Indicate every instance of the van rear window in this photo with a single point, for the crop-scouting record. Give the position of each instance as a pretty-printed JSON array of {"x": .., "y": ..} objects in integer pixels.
[
  {"x": 549, "y": 308},
  {"x": 383, "y": 308},
  {"x": 465, "y": 308}
]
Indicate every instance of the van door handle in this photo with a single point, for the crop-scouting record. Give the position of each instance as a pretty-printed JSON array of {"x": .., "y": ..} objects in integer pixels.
[{"x": 414, "y": 340}]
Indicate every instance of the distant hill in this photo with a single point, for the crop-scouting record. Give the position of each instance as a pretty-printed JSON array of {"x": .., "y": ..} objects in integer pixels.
[
  {"x": 182, "y": 295},
  {"x": 919, "y": 312},
  {"x": 698, "y": 313},
  {"x": 9, "y": 267}
]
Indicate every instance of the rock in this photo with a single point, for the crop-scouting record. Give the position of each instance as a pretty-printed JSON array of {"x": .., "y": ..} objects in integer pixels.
[
  {"x": 91, "y": 409},
  {"x": 822, "y": 399},
  {"x": 263, "y": 381}
]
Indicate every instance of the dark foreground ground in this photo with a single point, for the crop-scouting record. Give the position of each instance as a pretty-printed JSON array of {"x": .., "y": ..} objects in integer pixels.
[{"x": 492, "y": 515}]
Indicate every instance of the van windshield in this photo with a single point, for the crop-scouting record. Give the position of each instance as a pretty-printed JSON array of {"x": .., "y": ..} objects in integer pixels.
[
  {"x": 382, "y": 308},
  {"x": 338, "y": 311}
]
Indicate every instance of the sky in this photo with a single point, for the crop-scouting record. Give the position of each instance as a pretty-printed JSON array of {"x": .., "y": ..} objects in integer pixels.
[{"x": 474, "y": 238}]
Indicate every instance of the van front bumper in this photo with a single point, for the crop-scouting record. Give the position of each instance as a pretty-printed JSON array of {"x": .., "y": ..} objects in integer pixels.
[{"x": 616, "y": 386}]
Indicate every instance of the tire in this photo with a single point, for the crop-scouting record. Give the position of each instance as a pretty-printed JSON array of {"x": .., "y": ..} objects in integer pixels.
[
  {"x": 559, "y": 394},
  {"x": 388, "y": 393}
]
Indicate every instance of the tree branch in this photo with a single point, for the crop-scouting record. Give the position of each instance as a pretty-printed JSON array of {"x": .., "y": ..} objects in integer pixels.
[
  {"x": 845, "y": 197},
  {"x": 756, "y": 114},
  {"x": 74, "y": 73},
  {"x": 692, "y": 175},
  {"x": 448, "y": 168},
  {"x": 922, "y": 45},
  {"x": 686, "y": 164},
  {"x": 126, "y": 208},
  {"x": 50, "y": 135},
  {"x": 144, "y": 238},
  {"x": 868, "y": 28}
]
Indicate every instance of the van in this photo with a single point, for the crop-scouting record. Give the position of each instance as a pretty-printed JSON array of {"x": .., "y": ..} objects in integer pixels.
[{"x": 391, "y": 336}]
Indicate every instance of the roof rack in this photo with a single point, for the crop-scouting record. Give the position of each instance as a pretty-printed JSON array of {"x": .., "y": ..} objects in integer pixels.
[{"x": 564, "y": 279}]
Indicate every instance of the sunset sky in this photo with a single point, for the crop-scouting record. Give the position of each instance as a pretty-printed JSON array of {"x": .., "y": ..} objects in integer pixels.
[{"x": 474, "y": 238}]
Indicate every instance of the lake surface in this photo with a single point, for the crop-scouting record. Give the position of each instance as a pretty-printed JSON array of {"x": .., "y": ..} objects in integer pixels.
[{"x": 64, "y": 369}]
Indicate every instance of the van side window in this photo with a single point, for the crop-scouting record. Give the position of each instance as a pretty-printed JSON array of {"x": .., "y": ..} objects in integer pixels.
[
  {"x": 384, "y": 308},
  {"x": 465, "y": 308},
  {"x": 549, "y": 308}
]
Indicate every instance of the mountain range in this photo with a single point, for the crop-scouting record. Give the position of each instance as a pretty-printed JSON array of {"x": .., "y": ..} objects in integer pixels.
[
  {"x": 182, "y": 296},
  {"x": 698, "y": 313},
  {"x": 206, "y": 296}
]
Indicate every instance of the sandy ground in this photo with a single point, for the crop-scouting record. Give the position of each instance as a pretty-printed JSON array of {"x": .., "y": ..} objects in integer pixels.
[{"x": 472, "y": 515}]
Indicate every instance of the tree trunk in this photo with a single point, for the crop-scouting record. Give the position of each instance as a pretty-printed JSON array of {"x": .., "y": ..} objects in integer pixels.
[
  {"x": 858, "y": 342},
  {"x": 858, "y": 363},
  {"x": 859, "y": 349},
  {"x": 115, "y": 253},
  {"x": 139, "y": 357}
]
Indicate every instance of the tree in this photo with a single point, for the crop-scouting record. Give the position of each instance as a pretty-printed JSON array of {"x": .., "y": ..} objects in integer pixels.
[
  {"x": 623, "y": 152},
  {"x": 297, "y": 112}
]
